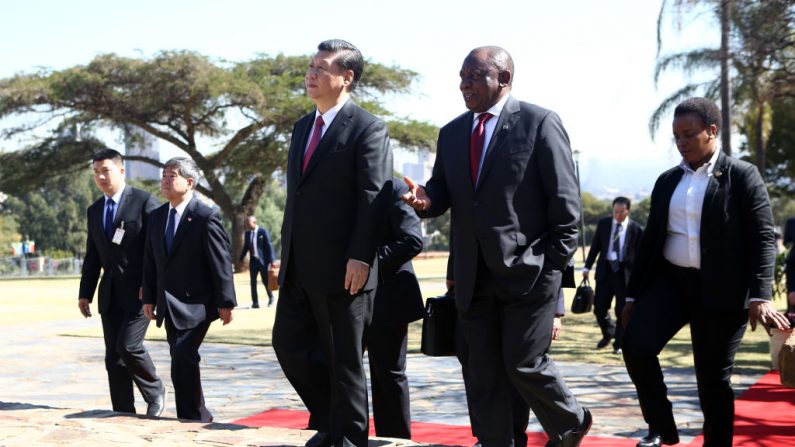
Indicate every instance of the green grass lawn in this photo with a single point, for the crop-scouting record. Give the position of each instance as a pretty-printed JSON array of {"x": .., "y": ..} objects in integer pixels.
[{"x": 44, "y": 300}]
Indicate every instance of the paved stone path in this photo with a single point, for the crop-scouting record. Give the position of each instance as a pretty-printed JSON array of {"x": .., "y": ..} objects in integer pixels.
[{"x": 58, "y": 388}]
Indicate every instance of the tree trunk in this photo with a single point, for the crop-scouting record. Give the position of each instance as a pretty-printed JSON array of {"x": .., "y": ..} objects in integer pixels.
[
  {"x": 759, "y": 138},
  {"x": 725, "y": 89},
  {"x": 238, "y": 233}
]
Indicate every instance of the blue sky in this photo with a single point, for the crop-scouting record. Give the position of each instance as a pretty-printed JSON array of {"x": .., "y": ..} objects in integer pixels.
[{"x": 590, "y": 61}]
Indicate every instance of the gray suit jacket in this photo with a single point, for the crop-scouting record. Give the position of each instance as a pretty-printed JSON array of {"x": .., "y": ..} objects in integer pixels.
[{"x": 522, "y": 215}]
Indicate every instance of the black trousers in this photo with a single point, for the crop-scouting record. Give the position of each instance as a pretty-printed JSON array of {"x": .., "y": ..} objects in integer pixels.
[
  {"x": 319, "y": 342},
  {"x": 185, "y": 373},
  {"x": 127, "y": 360},
  {"x": 257, "y": 268},
  {"x": 672, "y": 301},
  {"x": 508, "y": 339},
  {"x": 386, "y": 348},
  {"x": 612, "y": 284},
  {"x": 520, "y": 410}
]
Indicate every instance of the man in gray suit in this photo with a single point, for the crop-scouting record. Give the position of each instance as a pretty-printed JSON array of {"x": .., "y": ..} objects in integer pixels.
[{"x": 505, "y": 171}]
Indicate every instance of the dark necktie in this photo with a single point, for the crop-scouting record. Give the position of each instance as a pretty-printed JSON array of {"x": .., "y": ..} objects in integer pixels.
[
  {"x": 616, "y": 264},
  {"x": 172, "y": 224},
  {"x": 253, "y": 244},
  {"x": 313, "y": 142},
  {"x": 476, "y": 145},
  {"x": 110, "y": 206}
]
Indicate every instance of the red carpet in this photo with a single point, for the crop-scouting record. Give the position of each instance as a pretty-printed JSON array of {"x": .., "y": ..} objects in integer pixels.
[{"x": 764, "y": 417}]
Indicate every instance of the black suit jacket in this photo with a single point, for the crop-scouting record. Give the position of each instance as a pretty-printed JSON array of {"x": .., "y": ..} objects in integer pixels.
[
  {"x": 601, "y": 244},
  {"x": 789, "y": 269},
  {"x": 334, "y": 210},
  {"x": 121, "y": 263},
  {"x": 737, "y": 239},
  {"x": 522, "y": 215},
  {"x": 198, "y": 273},
  {"x": 398, "y": 299},
  {"x": 264, "y": 246}
]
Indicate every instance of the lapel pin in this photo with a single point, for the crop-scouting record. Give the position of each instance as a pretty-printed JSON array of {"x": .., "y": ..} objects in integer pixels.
[
  {"x": 190, "y": 219},
  {"x": 717, "y": 173}
]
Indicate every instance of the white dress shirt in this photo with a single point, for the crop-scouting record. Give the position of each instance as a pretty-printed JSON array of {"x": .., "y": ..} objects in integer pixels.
[
  {"x": 683, "y": 239},
  {"x": 180, "y": 211},
  {"x": 488, "y": 128},
  {"x": 328, "y": 118},
  {"x": 622, "y": 236},
  {"x": 254, "y": 251},
  {"x": 116, "y": 201}
]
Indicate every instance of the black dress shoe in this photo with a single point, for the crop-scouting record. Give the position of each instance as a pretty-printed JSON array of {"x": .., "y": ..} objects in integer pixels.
[
  {"x": 156, "y": 407},
  {"x": 320, "y": 439},
  {"x": 575, "y": 437},
  {"x": 255, "y": 306},
  {"x": 653, "y": 440},
  {"x": 603, "y": 342}
]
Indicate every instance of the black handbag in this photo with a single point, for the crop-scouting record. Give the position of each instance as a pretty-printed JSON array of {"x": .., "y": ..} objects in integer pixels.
[
  {"x": 438, "y": 326},
  {"x": 583, "y": 298}
]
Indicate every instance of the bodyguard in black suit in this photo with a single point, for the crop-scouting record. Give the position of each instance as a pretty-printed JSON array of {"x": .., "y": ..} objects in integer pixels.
[
  {"x": 706, "y": 259},
  {"x": 615, "y": 242},
  {"x": 187, "y": 279},
  {"x": 261, "y": 257},
  {"x": 505, "y": 171},
  {"x": 115, "y": 243},
  {"x": 398, "y": 302},
  {"x": 339, "y": 163}
]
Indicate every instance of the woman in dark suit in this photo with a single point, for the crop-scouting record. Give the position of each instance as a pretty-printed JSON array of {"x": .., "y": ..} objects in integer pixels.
[{"x": 706, "y": 259}]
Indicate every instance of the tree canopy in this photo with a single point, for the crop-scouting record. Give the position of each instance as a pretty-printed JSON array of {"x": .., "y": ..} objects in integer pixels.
[{"x": 233, "y": 118}]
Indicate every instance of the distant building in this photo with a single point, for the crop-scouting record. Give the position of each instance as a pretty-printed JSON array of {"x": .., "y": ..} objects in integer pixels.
[
  {"x": 138, "y": 142},
  {"x": 415, "y": 164}
]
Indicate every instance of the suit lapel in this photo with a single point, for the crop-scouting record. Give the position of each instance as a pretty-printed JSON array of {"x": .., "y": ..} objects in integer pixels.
[
  {"x": 714, "y": 181},
  {"x": 335, "y": 129},
  {"x": 508, "y": 118},
  {"x": 298, "y": 144},
  {"x": 98, "y": 223},
  {"x": 184, "y": 223},
  {"x": 666, "y": 191},
  {"x": 122, "y": 206}
]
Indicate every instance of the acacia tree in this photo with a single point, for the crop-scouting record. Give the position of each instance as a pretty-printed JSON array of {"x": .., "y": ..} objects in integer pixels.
[{"x": 234, "y": 119}]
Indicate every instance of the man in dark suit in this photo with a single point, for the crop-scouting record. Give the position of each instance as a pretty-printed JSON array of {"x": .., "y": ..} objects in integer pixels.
[
  {"x": 505, "y": 171},
  {"x": 615, "y": 242},
  {"x": 258, "y": 242},
  {"x": 339, "y": 163},
  {"x": 398, "y": 302},
  {"x": 115, "y": 243},
  {"x": 187, "y": 279},
  {"x": 706, "y": 259}
]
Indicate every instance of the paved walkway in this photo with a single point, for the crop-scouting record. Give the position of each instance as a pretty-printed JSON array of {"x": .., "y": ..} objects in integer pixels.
[{"x": 62, "y": 379}]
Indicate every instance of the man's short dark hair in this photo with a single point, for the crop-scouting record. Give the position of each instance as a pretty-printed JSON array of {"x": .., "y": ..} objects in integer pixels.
[
  {"x": 705, "y": 109},
  {"x": 347, "y": 57},
  {"x": 621, "y": 200},
  {"x": 107, "y": 154}
]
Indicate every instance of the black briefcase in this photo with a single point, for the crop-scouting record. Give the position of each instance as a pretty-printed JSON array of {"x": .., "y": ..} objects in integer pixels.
[
  {"x": 438, "y": 326},
  {"x": 583, "y": 298}
]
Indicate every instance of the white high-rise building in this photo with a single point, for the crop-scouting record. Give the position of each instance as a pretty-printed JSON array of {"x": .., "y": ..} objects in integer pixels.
[{"x": 138, "y": 142}]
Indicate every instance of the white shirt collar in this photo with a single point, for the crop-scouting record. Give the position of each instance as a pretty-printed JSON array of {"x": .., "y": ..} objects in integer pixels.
[
  {"x": 184, "y": 204},
  {"x": 496, "y": 109},
  {"x": 331, "y": 113},
  {"x": 625, "y": 223},
  {"x": 116, "y": 197},
  {"x": 709, "y": 166}
]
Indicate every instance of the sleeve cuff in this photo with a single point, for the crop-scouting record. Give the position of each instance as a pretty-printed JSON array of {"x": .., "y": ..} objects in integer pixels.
[
  {"x": 586, "y": 270},
  {"x": 757, "y": 300},
  {"x": 629, "y": 300},
  {"x": 361, "y": 262}
]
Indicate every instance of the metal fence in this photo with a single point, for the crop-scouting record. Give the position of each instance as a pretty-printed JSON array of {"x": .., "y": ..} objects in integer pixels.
[{"x": 40, "y": 266}]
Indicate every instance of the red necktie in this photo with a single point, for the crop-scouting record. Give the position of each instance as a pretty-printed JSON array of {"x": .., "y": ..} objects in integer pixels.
[
  {"x": 476, "y": 145},
  {"x": 313, "y": 142}
]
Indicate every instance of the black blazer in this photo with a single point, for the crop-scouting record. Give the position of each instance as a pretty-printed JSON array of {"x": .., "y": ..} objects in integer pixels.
[
  {"x": 737, "y": 239},
  {"x": 601, "y": 244},
  {"x": 790, "y": 270},
  {"x": 523, "y": 214},
  {"x": 121, "y": 263},
  {"x": 335, "y": 210},
  {"x": 398, "y": 299},
  {"x": 264, "y": 246},
  {"x": 198, "y": 273}
]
